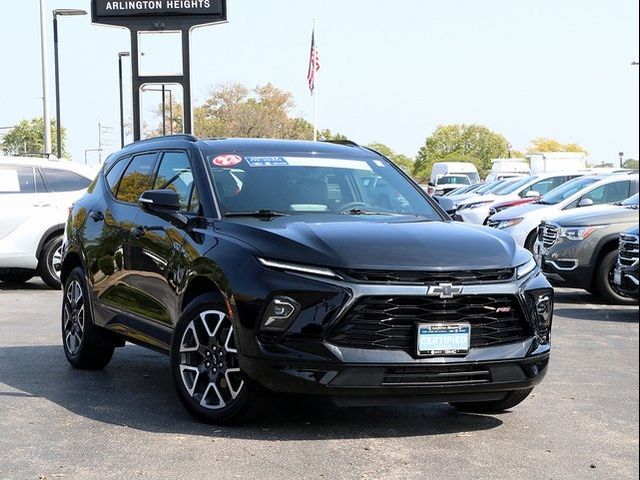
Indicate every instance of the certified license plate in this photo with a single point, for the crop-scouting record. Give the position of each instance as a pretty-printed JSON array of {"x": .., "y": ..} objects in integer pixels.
[
  {"x": 439, "y": 339},
  {"x": 617, "y": 277}
]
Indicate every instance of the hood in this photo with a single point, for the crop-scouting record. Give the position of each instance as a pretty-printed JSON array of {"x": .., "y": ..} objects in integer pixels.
[
  {"x": 347, "y": 242},
  {"x": 632, "y": 230},
  {"x": 600, "y": 215},
  {"x": 519, "y": 211}
]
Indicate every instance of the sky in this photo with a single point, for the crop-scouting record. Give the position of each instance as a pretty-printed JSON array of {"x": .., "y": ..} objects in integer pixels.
[{"x": 391, "y": 71}]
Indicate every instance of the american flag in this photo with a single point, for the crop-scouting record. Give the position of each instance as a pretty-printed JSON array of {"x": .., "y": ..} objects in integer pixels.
[{"x": 314, "y": 63}]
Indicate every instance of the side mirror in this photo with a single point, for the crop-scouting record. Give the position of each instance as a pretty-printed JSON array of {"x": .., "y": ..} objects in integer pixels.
[
  {"x": 160, "y": 200},
  {"x": 532, "y": 194},
  {"x": 585, "y": 202}
]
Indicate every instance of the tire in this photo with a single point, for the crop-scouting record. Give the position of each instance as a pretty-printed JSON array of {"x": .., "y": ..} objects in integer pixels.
[
  {"x": 85, "y": 345},
  {"x": 603, "y": 280},
  {"x": 16, "y": 276},
  {"x": 50, "y": 262},
  {"x": 204, "y": 364},
  {"x": 530, "y": 242},
  {"x": 510, "y": 400}
]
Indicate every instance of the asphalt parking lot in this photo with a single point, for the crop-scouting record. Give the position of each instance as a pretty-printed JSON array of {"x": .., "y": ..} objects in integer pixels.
[{"x": 126, "y": 421}]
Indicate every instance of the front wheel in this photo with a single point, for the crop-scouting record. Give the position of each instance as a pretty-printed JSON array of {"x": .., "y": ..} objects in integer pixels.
[
  {"x": 604, "y": 280},
  {"x": 205, "y": 366},
  {"x": 510, "y": 400}
]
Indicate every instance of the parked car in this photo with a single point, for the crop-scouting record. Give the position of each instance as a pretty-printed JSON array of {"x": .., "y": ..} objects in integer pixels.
[
  {"x": 478, "y": 209},
  {"x": 440, "y": 169},
  {"x": 301, "y": 282},
  {"x": 502, "y": 168},
  {"x": 447, "y": 183},
  {"x": 35, "y": 196},
  {"x": 522, "y": 222},
  {"x": 579, "y": 248},
  {"x": 450, "y": 202},
  {"x": 626, "y": 275}
]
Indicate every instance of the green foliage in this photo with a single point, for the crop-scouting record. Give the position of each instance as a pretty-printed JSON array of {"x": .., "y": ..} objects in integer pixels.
[
  {"x": 630, "y": 163},
  {"x": 402, "y": 161},
  {"x": 541, "y": 145},
  {"x": 459, "y": 142},
  {"x": 27, "y": 137}
]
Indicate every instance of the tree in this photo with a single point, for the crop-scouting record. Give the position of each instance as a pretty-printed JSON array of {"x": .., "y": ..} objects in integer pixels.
[
  {"x": 630, "y": 163},
  {"x": 402, "y": 161},
  {"x": 27, "y": 137},
  {"x": 469, "y": 143},
  {"x": 541, "y": 145}
]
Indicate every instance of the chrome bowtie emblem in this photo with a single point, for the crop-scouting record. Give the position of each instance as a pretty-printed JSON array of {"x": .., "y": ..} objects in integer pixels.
[{"x": 444, "y": 290}]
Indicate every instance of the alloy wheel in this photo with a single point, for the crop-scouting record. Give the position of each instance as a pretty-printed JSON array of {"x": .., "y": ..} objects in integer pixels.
[
  {"x": 209, "y": 366},
  {"x": 73, "y": 317},
  {"x": 55, "y": 265}
]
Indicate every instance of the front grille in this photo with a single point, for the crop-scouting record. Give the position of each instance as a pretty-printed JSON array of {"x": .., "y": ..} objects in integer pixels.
[
  {"x": 436, "y": 375},
  {"x": 464, "y": 277},
  {"x": 628, "y": 250},
  {"x": 548, "y": 234},
  {"x": 391, "y": 322}
]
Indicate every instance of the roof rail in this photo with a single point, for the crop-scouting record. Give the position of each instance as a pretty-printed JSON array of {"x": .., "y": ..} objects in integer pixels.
[
  {"x": 180, "y": 136},
  {"x": 346, "y": 143}
]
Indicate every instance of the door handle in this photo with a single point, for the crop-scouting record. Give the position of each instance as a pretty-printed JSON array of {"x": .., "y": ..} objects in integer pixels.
[
  {"x": 138, "y": 232},
  {"x": 96, "y": 216}
]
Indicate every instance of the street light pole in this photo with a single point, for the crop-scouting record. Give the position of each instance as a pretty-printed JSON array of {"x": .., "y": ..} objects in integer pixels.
[
  {"x": 67, "y": 12},
  {"x": 120, "y": 55},
  {"x": 45, "y": 80}
]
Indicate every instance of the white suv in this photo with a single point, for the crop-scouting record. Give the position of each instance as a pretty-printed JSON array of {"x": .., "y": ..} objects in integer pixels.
[{"x": 35, "y": 196}]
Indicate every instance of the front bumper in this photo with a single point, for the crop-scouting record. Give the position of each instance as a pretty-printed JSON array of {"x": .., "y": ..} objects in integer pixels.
[
  {"x": 303, "y": 360},
  {"x": 476, "y": 216}
]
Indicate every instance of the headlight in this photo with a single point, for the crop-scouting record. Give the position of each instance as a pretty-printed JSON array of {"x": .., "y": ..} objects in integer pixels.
[
  {"x": 509, "y": 223},
  {"x": 475, "y": 205},
  {"x": 525, "y": 269},
  {"x": 292, "y": 267},
  {"x": 578, "y": 233}
]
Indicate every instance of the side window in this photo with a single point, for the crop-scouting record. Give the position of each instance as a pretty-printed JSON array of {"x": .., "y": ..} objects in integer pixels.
[
  {"x": 17, "y": 179},
  {"x": 136, "y": 178},
  {"x": 63, "y": 180},
  {"x": 610, "y": 193},
  {"x": 113, "y": 175},
  {"x": 544, "y": 186},
  {"x": 175, "y": 174},
  {"x": 39, "y": 182}
]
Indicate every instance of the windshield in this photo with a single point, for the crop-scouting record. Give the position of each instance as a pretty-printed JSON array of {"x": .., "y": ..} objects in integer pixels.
[
  {"x": 454, "y": 180},
  {"x": 515, "y": 186},
  {"x": 631, "y": 201},
  {"x": 490, "y": 187},
  {"x": 565, "y": 191},
  {"x": 293, "y": 185},
  {"x": 503, "y": 187}
]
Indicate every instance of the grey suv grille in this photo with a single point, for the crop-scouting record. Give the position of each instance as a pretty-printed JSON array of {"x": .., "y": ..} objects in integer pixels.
[
  {"x": 628, "y": 252},
  {"x": 548, "y": 235}
]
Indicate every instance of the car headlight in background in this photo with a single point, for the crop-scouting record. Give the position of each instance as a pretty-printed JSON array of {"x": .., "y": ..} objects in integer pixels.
[
  {"x": 578, "y": 233},
  {"x": 509, "y": 223},
  {"x": 525, "y": 269}
]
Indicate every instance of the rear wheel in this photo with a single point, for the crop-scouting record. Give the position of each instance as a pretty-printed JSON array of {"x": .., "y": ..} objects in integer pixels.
[
  {"x": 16, "y": 276},
  {"x": 510, "y": 400},
  {"x": 604, "y": 280},
  {"x": 86, "y": 346},
  {"x": 50, "y": 262},
  {"x": 204, "y": 362}
]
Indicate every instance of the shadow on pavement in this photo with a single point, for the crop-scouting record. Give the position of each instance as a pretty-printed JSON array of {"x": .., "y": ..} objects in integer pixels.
[
  {"x": 136, "y": 391},
  {"x": 627, "y": 314},
  {"x": 34, "y": 284}
]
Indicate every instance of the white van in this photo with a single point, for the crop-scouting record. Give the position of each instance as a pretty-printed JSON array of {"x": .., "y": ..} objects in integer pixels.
[
  {"x": 454, "y": 168},
  {"x": 502, "y": 168},
  {"x": 35, "y": 196}
]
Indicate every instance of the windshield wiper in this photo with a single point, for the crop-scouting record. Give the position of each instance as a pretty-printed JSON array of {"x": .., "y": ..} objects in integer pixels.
[
  {"x": 542, "y": 202},
  {"x": 257, "y": 214},
  {"x": 358, "y": 211}
]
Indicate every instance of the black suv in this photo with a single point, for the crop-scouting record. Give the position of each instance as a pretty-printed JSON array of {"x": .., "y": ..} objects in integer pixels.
[{"x": 279, "y": 265}]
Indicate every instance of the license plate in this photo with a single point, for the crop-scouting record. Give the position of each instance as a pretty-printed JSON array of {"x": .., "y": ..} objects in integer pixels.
[
  {"x": 617, "y": 277},
  {"x": 439, "y": 339}
]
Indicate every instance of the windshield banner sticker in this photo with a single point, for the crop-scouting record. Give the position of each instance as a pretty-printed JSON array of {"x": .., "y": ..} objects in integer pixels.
[
  {"x": 308, "y": 162},
  {"x": 267, "y": 161}
]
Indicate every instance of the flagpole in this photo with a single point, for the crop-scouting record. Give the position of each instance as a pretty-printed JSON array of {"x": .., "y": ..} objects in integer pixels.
[{"x": 315, "y": 94}]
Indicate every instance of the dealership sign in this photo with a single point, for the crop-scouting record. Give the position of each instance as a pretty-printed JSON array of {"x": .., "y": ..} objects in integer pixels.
[{"x": 154, "y": 14}]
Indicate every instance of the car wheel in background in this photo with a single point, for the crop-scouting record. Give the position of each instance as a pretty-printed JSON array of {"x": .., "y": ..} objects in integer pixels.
[
  {"x": 205, "y": 367},
  {"x": 530, "y": 242},
  {"x": 50, "y": 262},
  {"x": 17, "y": 276},
  {"x": 86, "y": 346},
  {"x": 510, "y": 400},
  {"x": 603, "y": 280}
]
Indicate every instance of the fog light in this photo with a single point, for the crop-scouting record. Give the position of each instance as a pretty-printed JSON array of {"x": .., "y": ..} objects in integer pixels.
[
  {"x": 544, "y": 309},
  {"x": 279, "y": 314}
]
